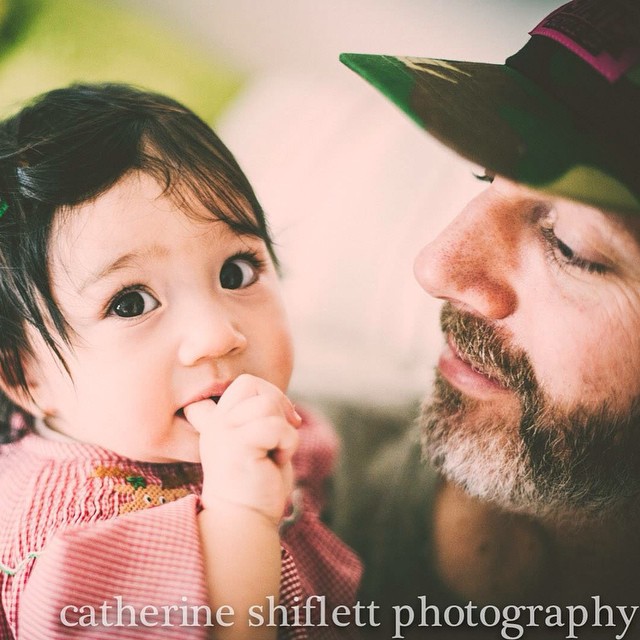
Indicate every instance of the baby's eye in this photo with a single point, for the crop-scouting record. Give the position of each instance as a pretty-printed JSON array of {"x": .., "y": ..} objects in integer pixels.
[
  {"x": 130, "y": 304},
  {"x": 238, "y": 273}
]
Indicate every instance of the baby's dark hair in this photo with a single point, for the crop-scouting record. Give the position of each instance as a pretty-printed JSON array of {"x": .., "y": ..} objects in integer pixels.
[{"x": 67, "y": 147}]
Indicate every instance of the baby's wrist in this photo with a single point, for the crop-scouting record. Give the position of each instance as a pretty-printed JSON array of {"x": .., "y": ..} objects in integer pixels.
[{"x": 219, "y": 506}]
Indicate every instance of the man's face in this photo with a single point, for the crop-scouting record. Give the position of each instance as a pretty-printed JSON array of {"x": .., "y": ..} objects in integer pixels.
[{"x": 536, "y": 398}]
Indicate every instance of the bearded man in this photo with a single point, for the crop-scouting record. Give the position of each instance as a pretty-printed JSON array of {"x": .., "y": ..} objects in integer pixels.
[{"x": 524, "y": 486}]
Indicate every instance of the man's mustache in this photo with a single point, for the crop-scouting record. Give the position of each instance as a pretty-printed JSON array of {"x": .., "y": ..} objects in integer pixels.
[{"x": 487, "y": 350}]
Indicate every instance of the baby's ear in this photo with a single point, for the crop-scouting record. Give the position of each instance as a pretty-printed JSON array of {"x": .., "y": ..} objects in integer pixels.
[{"x": 27, "y": 399}]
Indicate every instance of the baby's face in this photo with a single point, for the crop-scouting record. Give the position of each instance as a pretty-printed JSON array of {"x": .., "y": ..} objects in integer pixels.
[{"x": 165, "y": 310}]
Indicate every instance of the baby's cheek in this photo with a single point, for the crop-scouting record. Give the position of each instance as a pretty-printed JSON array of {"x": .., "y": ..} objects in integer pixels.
[{"x": 283, "y": 367}]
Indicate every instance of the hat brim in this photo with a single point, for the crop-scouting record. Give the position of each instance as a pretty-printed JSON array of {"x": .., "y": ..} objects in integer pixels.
[{"x": 497, "y": 118}]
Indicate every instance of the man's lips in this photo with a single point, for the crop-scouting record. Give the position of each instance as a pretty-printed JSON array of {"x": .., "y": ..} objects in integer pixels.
[{"x": 465, "y": 376}]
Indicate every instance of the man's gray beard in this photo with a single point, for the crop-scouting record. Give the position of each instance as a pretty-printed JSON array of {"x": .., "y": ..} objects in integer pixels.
[
  {"x": 484, "y": 459},
  {"x": 539, "y": 460}
]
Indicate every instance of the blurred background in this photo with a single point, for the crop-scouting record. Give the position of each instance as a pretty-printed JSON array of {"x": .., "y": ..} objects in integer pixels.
[{"x": 352, "y": 188}]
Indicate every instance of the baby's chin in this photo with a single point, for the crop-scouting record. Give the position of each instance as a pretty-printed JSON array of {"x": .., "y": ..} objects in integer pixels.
[
  {"x": 173, "y": 454},
  {"x": 177, "y": 442},
  {"x": 185, "y": 450}
]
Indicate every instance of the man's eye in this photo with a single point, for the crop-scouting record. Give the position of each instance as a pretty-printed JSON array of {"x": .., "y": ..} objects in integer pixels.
[
  {"x": 483, "y": 174},
  {"x": 238, "y": 273},
  {"x": 565, "y": 255},
  {"x": 133, "y": 303}
]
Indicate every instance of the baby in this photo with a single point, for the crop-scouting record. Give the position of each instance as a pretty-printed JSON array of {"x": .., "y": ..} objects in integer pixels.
[{"x": 145, "y": 355}]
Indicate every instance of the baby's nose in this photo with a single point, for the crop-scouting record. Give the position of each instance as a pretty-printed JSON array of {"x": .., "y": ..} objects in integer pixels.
[{"x": 210, "y": 336}]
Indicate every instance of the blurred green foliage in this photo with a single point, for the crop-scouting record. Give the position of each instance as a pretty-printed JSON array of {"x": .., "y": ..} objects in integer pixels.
[{"x": 46, "y": 44}]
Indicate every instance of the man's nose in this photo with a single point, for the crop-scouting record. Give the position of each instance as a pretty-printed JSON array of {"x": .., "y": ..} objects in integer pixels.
[
  {"x": 210, "y": 332},
  {"x": 473, "y": 263}
]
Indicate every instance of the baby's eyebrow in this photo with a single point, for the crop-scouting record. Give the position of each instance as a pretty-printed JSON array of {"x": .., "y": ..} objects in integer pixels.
[{"x": 124, "y": 261}]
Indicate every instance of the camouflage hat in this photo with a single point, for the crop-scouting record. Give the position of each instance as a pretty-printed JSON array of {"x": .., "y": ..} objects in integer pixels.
[{"x": 562, "y": 115}]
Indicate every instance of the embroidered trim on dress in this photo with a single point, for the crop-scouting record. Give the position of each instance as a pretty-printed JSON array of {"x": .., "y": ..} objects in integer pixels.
[
  {"x": 143, "y": 494},
  {"x": 21, "y": 565}
]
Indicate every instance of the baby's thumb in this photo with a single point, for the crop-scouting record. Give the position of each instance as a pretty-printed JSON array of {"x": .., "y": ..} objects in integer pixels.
[{"x": 200, "y": 414}]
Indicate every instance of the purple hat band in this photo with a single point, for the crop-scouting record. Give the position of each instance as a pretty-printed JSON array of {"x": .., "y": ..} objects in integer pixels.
[{"x": 606, "y": 37}]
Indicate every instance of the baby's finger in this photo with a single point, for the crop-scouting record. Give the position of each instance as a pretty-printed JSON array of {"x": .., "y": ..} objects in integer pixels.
[
  {"x": 246, "y": 386},
  {"x": 283, "y": 453},
  {"x": 269, "y": 437},
  {"x": 200, "y": 414},
  {"x": 254, "y": 408},
  {"x": 243, "y": 387}
]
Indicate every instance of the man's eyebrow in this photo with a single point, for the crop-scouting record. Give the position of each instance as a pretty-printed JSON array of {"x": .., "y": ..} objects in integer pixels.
[{"x": 124, "y": 261}]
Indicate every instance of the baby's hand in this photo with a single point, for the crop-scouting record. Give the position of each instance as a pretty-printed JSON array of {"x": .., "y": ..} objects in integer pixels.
[{"x": 247, "y": 441}]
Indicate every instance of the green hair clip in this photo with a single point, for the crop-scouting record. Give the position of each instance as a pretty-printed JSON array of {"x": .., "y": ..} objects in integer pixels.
[{"x": 4, "y": 205}]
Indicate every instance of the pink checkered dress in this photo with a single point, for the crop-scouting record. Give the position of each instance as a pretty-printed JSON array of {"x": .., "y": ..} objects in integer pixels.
[{"x": 82, "y": 527}]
